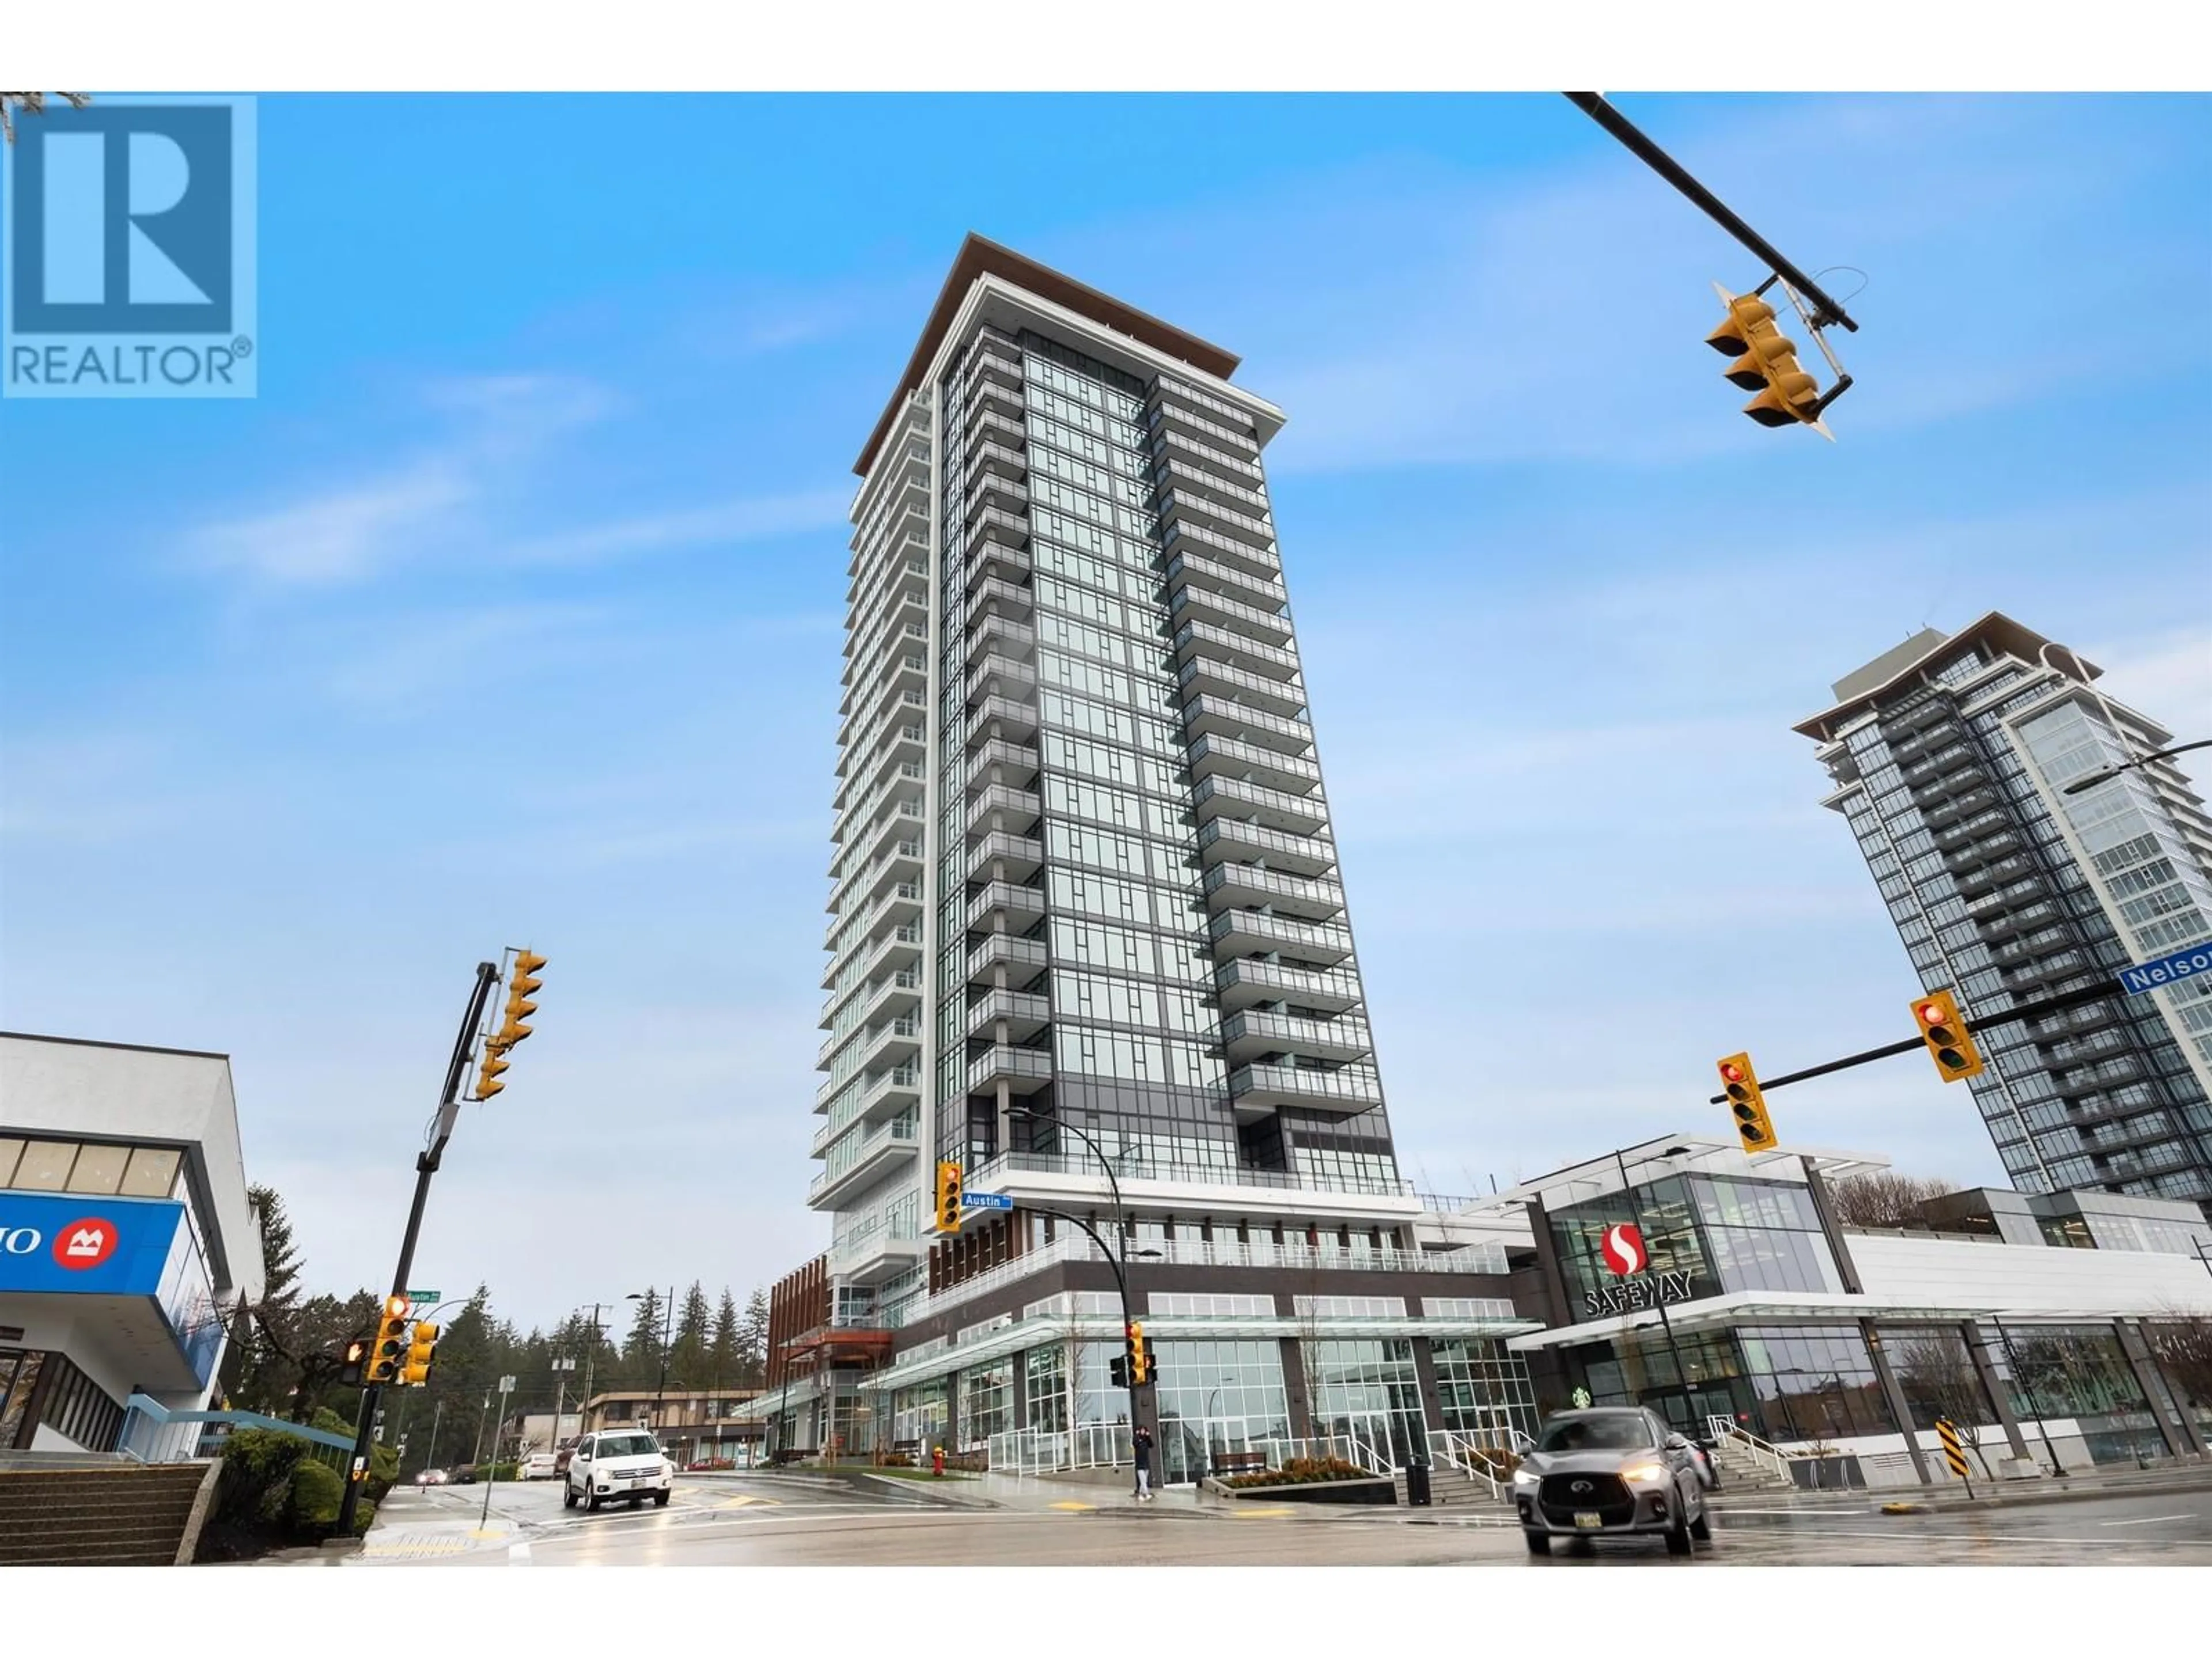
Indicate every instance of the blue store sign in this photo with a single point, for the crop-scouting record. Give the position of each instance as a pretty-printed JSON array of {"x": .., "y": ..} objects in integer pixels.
[{"x": 71, "y": 1242}]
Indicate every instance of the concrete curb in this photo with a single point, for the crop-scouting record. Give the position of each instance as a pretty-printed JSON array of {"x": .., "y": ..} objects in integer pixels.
[
  {"x": 1924, "y": 1501},
  {"x": 860, "y": 1479}
]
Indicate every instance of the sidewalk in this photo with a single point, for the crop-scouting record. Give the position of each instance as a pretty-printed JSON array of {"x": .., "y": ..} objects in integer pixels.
[{"x": 1950, "y": 1494}]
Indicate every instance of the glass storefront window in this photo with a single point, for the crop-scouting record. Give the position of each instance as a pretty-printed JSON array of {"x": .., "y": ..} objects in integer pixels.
[
  {"x": 1218, "y": 1396},
  {"x": 1482, "y": 1390},
  {"x": 986, "y": 1401},
  {"x": 1368, "y": 1388}
]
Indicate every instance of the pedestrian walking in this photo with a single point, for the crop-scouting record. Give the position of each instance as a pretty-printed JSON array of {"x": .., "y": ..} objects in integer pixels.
[{"x": 1141, "y": 1444}]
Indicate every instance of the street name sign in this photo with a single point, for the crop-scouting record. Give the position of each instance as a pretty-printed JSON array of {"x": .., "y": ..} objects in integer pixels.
[
  {"x": 426, "y": 1298},
  {"x": 986, "y": 1201},
  {"x": 2150, "y": 975}
]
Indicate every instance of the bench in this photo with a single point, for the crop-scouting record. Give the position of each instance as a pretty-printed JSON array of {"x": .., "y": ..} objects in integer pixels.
[{"x": 1239, "y": 1462}]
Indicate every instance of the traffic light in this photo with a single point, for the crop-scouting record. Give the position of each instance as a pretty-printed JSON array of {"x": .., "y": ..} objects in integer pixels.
[
  {"x": 353, "y": 1363},
  {"x": 522, "y": 983},
  {"x": 389, "y": 1351},
  {"x": 488, "y": 1083},
  {"x": 1117, "y": 1371},
  {"x": 422, "y": 1349},
  {"x": 1766, "y": 363},
  {"x": 948, "y": 1198},
  {"x": 1942, "y": 1028},
  {"x": 1740, "y": 1085},
  {"x": 1140, "y": 1358}
]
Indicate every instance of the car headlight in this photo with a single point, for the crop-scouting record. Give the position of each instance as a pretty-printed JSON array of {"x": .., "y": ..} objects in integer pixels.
[
  {"x": 1649, "y": 1474},
  {"x": 1525, "y": 1476}
]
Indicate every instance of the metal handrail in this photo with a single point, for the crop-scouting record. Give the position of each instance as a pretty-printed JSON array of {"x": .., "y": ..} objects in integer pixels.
[{"x": 1727, "y": 1428}]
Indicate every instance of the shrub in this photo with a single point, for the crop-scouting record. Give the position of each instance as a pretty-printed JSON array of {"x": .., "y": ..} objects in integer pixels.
[{"x": 1301, "y": 1471}]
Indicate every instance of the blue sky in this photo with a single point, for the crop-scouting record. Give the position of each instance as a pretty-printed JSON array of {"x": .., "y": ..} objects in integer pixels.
[{"x": 509, "y": 612}]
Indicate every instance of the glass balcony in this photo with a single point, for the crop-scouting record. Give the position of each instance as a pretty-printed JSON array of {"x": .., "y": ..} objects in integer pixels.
[
  {"x": 997, "y": 675},
  {"x": 1198, "y": 604},
  {"x": 1253, "y": 1036},
  {"x": 1022, "y": 958},
  {"x": 1198, "y": 641},
  {"x": 1001, "y": 717},
  {"x": 995, "y": 560},
  {"x": 1000, "y": 807},
  {"x": 988, "y": 457},
  {"x": 1274, "y": 810},
  {"x": 1013, "y": 600},
  {"x": 995, "y": 489},
  {"x": 1003, "y": 856},
  {"x": 1019, "y": 905},
  {"x": 874, "y": 1156},
  {"x": 1218, "y": 717},
  {"x": 1187, "y": 444},
  {"x": 1239, "y": 884},
  {"x": 994, "y": 365},
  {"x": 1242, "y": 933},
  {"x": 1191, "y": 569},
  {"x": 1001, "y": 762},
  {"x": 1210, "y": 676},
  {"x": 994, "y": 423},
  {"x": 1008, "y": 529},
  {"x": 1023, "y": 1071},
  {"x": 1243, "y": 983},
  {"x": 1189, "y": 510},
  {"x": 1229, "y": 757},
  {"x": 1025, "y": 1014},
  {"x": 1229, "y": 840},
  {"x": 1181, "y": 537},
  {"x": 1003, "y": 635},
  {"x": 1259, "y": 1087}
]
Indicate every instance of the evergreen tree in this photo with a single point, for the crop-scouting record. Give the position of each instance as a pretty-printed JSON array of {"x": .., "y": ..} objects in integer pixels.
[
  {"x": 263, "y": 1366},
  {"x": 687, "y": 1361},
  {"x": 752, "y": 1342},
  {"x": 722, "y": 1351},
  {"x": 642, "y": 1352}
]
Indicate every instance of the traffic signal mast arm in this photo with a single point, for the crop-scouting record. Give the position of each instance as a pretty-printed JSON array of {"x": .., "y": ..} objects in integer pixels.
[
  {"x": 1915, "y": 1044},
  {"x": 1592, "y": 105}
]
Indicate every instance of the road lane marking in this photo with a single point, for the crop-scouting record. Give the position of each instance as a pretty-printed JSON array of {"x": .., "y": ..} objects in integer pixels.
[
  {"x": 518, "y": 1555},
  {"x": 744, "y": 1499},
  {"x": 1070, "y": 1503},
  {"x": 2147, "y": 1521},
  {"x": 1896, "y": 1534},
  {"x": 1261, "y": 1514}
]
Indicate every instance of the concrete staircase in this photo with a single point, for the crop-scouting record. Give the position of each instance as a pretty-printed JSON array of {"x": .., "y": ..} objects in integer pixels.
[
  {"x": 1450, "y": 1485},
  {"x": 114, "y": 1514},
  {"x": 1742, "y": 1470}
]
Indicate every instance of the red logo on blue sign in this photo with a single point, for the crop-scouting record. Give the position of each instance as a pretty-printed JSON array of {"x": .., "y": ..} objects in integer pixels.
[{"x": 85, "y": 1244}]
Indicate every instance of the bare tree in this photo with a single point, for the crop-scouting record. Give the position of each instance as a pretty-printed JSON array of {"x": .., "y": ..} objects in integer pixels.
[
  {"x": 32, "y": 103},
  {"x": 2183, "y": 1345},
  {"x": 1884, "y": 1198},
  {"x": 1935, "y": 1371}
]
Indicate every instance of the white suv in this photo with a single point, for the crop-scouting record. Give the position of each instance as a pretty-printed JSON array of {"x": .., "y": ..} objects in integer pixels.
[{"x": 618, "y": 1463}]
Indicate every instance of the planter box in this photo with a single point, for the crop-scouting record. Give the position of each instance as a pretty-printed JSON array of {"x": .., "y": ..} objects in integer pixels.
[{"x": 1374, "y": 1490}]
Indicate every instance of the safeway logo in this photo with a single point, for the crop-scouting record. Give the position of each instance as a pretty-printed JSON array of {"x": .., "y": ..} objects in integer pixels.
[
  {"x": 1624, "y": 1249},
  {"x": 85, "y": 1244}
]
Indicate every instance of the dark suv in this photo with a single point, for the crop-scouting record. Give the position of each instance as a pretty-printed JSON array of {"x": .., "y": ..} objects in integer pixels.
[{"x": 1608, "y": 1470}]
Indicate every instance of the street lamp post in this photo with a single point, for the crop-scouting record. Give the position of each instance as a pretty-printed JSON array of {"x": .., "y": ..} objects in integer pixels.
[
  {"x": 1119, "y": 1265},
  {"x": 1681, "y": 1374}
]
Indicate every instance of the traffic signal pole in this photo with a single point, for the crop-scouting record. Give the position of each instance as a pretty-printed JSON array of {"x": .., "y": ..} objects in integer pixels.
[
  {"x": 1120, "y": 1284},
  {"x": 1592, "y": 105},
  {"x": 2035, "y": 1009},
  {"x": 426, "y": 1165}
]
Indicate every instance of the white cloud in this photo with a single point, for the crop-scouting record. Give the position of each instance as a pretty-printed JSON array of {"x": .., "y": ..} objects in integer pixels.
[
  {"x": 746, "y": 519},
  {"x": 340, "y": 535}
]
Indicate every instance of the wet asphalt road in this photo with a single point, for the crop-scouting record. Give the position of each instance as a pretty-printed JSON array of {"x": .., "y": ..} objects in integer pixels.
[{"x": 789, "y": 1520}]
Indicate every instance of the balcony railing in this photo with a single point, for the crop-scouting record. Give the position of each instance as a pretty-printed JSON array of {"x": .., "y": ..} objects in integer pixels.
[
  {"x": 1298, "y": 814},
  {"x": 1001, "y": 676},
  {"x": 1020, "y": 854},
  {"x": 1190, "y": 568},
  {"x": 1020, "y": 758},
  {"x": 1248, "y": 621},
  {"x": 1181, "y": 537},
  {"x": 1012, "y": 598},
  {"x": 1234, "y": 838},
  {"x": 1241, "y": 983},
  {"x": 893, "y": 1144},
  {"x": 1242, "y": 461},
  {"x": 1252, "y": 1032},
  {"x": 991, "y": 633},
  {"x": 1314, "y": 900},
  {"x": 1025, "y": 1070},
  {"x": 1352, "y": 1089},
  {"x": 1195, "y": 511},
  {"x": 1022, "y": 807},
  {"x": 1277, "y": 697},
  {"x": 1250, "y": 761},
  {"x": 1022, "y": 904},
  {"x": 1023, "y": 958},
  {"x": 1023, "y": 1012},
  {"x": 1243, "y": 931},
  {"x": 1012, "y": 713}
]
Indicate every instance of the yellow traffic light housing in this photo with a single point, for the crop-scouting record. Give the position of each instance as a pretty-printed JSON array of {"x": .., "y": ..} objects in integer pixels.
[
  {"x": 1140, "y": 1358},
  {"x": 494, "y": 1063},
  {"x": 1949, "y": 1046},
  {"x": 1765, "y": 362},
  {"x": 1740, "y": 1084},
  {"x": 522, "y": 981},
  {"x": 422, "y": 1349},
  {"x": 948, "y": 1198},
  {"x": 389, "y": 1350}
]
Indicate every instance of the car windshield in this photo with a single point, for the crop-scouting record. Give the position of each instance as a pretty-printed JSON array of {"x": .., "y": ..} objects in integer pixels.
[
  {"x": 1596, "y": 1434},
  {"x": 626, "y": 1445}
]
